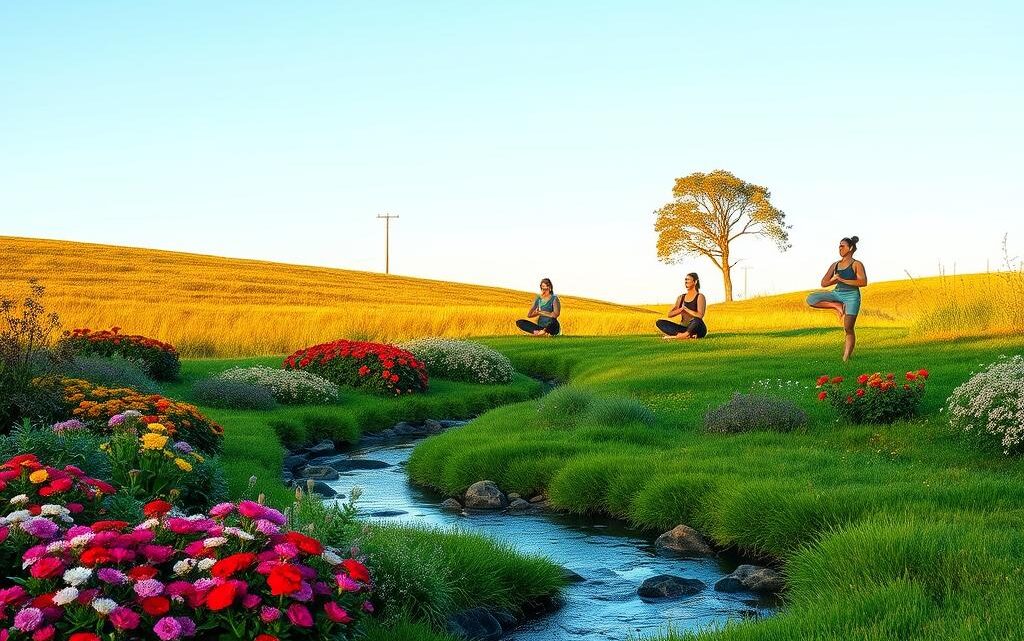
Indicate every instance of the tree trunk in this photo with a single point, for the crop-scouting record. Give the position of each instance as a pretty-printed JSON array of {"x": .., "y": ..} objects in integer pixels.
[{"x": 727, "y": 279}]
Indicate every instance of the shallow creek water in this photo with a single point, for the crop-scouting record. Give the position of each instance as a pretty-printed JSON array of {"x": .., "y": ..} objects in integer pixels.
[{"x": 613, "y": 558}]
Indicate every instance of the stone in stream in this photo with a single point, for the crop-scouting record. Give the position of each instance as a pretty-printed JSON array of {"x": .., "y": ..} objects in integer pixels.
[
  {"x": 387, "y": 513},
  {"x": 666, "y": 586},
  {"x": 753, "y": 578},
  {"x": 451, "y": 505},
  {"x": 404, "y": 429},
  {"x": 519, "y": 505},
  {"x": 320, "y": 473},
  {"x": 325, "y": 490},
  {"x": 485, "y": 495},
  {"x": 571, "y": 577},
  {"x": 451, "y": 423},
  {"x": 684, "y": 541},
  {"x": 325, "y": 446},
  {"x": 343, "y": 463},
  {"x": 430, "y": 426},
  {"x": 478, "y": 624},
  {"x": 294, "y": 461},
  {"x": 540, "y": 498},
  {"x": 514, "y": 495}
]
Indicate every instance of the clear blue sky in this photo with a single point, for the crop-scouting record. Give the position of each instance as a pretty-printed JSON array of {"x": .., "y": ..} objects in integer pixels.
[{"x": 515, "y": 139}]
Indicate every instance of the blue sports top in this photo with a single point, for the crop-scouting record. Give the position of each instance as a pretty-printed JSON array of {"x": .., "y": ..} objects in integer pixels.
[{"x": 545, "y": 306}]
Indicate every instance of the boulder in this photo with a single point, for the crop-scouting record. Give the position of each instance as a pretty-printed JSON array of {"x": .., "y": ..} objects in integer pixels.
[
  {"x": 294, "y": 461},
  {"x": 476, "y": 624},
  {"x": 343, "y": 463},
  {"x": 451, "y": 505},
  {"x": 666, "y": 586},
  {"x": 519, "y": 505},
  {"x": 325, "y": 446},
  {"x": 387, "y": 513},
  {"x": 450, "y": 423},
  {"x": 540, "y": 498},
  {"x": 404, "y": 429},
  {"x": 571, "y": 576},
  {"x": 514, "y": 495},
  {"x": 320, "y": 473},
  {"x": 325, "y": 490},
  {"x": 684, "y": 541},
  {"x": 753, "y": 578},
  {"x": 485, "y": 495},
  {"x": 430, "y": 426}
]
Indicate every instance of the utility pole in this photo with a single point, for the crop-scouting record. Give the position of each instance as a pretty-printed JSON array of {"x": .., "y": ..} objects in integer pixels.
[
  {"x": 745, "y": 270},
  {"x": 387, "y": 241}
]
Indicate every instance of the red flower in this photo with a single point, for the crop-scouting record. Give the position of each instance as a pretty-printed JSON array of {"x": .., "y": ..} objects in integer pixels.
[
  {"x": 284, "y": 579},
  {"x": 923, "y": 373},
  {"x": 95, "y": 556},
  {"x": 158, "y": 605},
  {"x": 837, "y": 380},
  {"x": 860, "y": 392},
  {"x": 83, "y": 636},
  {"x": 364, "y": 370},
  {"x": 849, "y": 399},
  {"x": 265, "y": 637},
  {"x": 231, "y": 565},
  {"x": 156, "y": 508},
  {"x": 307, "y": 544},
  {"x": 822, "y": 379},
  {"x": 822, "y": 396},
  {"x": 911, "y": 376},
  {"x": 356, "y": 570},
  {"x": 862, "y": 379},
  {"x": 46, "y": 568},
  {"x": 101, "y": 526},
  {"x": 222, "y": 596},
  {"x": 141, "y": 573}
]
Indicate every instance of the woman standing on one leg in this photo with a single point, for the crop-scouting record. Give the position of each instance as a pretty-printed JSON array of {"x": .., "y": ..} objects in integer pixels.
[
  {"x": 690, "y": 307},
  {"x": 848, "y": 276},
  {"x": 546, "y": 309}
]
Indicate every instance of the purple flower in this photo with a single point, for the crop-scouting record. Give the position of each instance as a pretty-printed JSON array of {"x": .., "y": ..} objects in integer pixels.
[
  {"x": 304, "y": 593},
  {"x": 183, "y": 447},
  {"x": 116, "y": 419},
  {"x": 68, "y": 426},
  {"x": 28, "y": 619},
  {"x": 264, "y": 526},
  {"x": 112, "y": 576},
  {"x": 40, "y": 528},
  {"x": 167, "y": 628},
  {"x": 188, "y": 627},
  {"x": 148, "y": 588}
]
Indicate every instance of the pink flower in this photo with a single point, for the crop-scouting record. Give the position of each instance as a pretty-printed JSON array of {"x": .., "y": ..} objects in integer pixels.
[
  {"x": 250, "y": 601},
  {"x": 167, "y": 628},
  {"x": 269, "y": 614},
  {"x": 336, "y": 613},
  {"x": 221, "y": 510},
  {"x": 28, "y": 619},
  {"x": 124, "y": 619},
  {"x": 251, "y": 509},
  {"x": 112, "y": 576},
  {"x": 148, "y": 588},
  {"x": 299, "y": 615},
  {"x": 264, "y": 526},
  {"x": 346, "y": 584}
]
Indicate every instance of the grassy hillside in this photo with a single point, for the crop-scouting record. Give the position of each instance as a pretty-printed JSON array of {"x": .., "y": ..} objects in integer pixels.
[{"x": 212, "y": 306}]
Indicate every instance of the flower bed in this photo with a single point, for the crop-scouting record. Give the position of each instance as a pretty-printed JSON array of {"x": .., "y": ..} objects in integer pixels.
[
  {"x": 462, "y": 360},
  {"x": 234, "y": 573},
  {"x": 372, "y": 366},
  {"x": 991, "y": 404},
  {"x": 291, "y": 387},
  {"x": 160, "y": 359},
  {"x": 877, "y": 398},
  {"x": 98, "y": 405}
]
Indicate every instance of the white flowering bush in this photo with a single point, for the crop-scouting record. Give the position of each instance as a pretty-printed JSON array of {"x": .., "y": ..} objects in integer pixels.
[
  {"x": 462, "y": 360},
  {"x": 991, "y": 404},
  {"x": 291, "y": 387}
]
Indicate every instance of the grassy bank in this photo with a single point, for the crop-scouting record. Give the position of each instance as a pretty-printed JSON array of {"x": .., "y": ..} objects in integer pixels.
[
  {"x": 422, "y": 575},
  {"x": 901, "y": 531}
]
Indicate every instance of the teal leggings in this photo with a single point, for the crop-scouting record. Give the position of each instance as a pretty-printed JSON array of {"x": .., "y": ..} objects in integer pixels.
[{"x": 850, "y": 298}]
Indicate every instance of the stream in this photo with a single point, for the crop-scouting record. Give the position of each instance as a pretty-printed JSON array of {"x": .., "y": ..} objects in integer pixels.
[{"x": 613, "y": 558}]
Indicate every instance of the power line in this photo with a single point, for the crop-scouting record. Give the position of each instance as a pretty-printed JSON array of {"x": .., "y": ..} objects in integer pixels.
[{"x": 387, "y": 240}]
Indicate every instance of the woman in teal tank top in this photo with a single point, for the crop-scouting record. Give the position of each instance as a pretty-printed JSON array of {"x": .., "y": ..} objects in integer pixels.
[
  {"x": 546, "y": 309},
  {"x": 848, "y": 276}
]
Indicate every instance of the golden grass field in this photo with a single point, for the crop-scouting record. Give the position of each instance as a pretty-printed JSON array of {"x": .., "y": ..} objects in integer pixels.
[{"x": 211, "y": 306}]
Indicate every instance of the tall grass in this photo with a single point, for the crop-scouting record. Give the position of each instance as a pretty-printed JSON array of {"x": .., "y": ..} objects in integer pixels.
[{"x": 209, "y": 306}]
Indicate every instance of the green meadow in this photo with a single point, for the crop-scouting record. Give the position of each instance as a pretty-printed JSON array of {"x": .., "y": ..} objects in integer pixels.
[{"x": 901, "y": 531}]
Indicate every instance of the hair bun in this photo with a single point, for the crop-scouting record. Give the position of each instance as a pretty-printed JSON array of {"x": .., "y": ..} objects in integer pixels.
[{"x": 855, "y": 239}]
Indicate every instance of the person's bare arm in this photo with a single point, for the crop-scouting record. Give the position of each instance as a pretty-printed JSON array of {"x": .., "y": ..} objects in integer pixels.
[
  {"x": 830, "y": 277},
  {"x": 677, "y": 309},
  {"x": 534, "y": 311}
]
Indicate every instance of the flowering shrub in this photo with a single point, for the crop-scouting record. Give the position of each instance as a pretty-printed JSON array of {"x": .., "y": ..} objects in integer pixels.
[
  {"x": 236, "y": 395},
  {"x": 291, "y": 387},
  {"x": 991, "y": 404},
  {"x": 380, "y": 368},
  {"x": 146, "y": 462},
  {"x": 748, "y": 412},
  {"x": 234, "y": 573},
  {"x": 99, "y": 405},
  {"x": 877, "y": 398},
  {"x": 160, "y": 359},
  {"x": 35, "y": 499},
  {"x": 462, "y": 360}
]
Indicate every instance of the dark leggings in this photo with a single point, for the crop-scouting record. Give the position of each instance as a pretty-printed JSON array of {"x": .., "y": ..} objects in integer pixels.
[
  {"x": 695, "y": 327},
  {"x": 530, "y": 327}
]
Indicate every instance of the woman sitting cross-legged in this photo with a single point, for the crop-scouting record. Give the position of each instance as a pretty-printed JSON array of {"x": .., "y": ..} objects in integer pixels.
[
  {"x": 546, "y": 309},
  {"x": 690, "y": 307}
]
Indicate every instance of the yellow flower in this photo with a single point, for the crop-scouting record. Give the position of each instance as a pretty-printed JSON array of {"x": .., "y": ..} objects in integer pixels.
[
  {"x": 198, "y": 458},
  {"x": 153, "y": 441},
  {"x": 157, "y": 427},
  {"x": 105, "y": 447},
  {"x": 39, "y": 476},
  {"x": 184, "y": 465}
]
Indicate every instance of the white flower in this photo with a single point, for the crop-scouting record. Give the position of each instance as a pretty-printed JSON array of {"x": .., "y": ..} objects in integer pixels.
[
  {"x": 81, "y": 539},
  {"x": 104, "y": 606},
  {"x": 57, "y": 546},
  {"x": 206, "y": 564},
  {"x": 992, "y": 402},
  {"x": 239, "y": 533},
  {"x": 214, "y": 541},
  {"x": 54, "y": 510},
  {"x": 461, "y": 360},
  {"x": 65, "y": 596},
  {"x": 18, "y": 500},
  {"x": 148, "y": 524},
  {"x": 331, "y": 558},
  {"x": 18, "y": 516},
  {"x": 287, "y": 386},
  {"x": 184, "y": 566},
  {"x": 77, "y": 576}
]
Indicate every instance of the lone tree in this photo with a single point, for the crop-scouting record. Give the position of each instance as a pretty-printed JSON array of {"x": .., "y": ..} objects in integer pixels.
[{"x": 708, "y": 212}]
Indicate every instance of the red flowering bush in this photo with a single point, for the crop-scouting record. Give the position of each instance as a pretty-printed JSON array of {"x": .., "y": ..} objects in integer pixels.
[
  {"x": 160, "y": 359},
  {"x": 373, "y": 366},
  {"x": 234, "y": 573},
  {"x": 98, "y": 406},
  {"x": 877, "y": 398}
]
